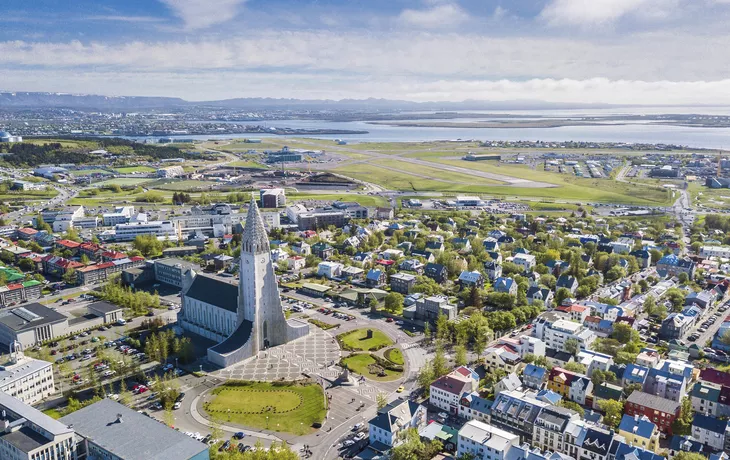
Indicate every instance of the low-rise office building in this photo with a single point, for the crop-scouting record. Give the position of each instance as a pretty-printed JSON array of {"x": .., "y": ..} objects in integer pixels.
[
  {"x": 29, "y": 434},
  {"x": 109, "y": 430},
  {"x": 161, "y": 229},
  {"x": 30, "y": 325}
]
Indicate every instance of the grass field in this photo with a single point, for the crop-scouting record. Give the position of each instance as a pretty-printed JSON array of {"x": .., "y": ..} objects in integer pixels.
[
  {"x": 365, "y": 200},
  {"x": 289, "y": 408},
  {"x": 359, "y": 363},
  {"x": 134, "y": 169},
  {"x": 394, "y": 355},
  {"x": 357, "y": 340}
]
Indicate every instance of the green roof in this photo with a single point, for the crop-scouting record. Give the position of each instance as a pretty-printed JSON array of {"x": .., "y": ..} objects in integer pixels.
[
  {"x": 316, "y": 287},
  {"x": 12, "y": 275},
  {"x": 31, "y": 283}
]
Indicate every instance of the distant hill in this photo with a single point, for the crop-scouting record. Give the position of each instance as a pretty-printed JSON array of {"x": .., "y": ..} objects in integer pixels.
[
  {"x": 26, "y": 100},
  {"x": 23, "y": 100}
]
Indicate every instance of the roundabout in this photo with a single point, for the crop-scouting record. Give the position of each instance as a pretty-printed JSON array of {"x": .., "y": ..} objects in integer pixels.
[{"x": 292, "y": 407}]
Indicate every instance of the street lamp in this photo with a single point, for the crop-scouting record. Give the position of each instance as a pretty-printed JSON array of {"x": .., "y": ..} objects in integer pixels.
[{"x": 267, "y": 422}]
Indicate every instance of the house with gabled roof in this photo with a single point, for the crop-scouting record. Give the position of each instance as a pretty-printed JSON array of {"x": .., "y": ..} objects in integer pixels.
[{"x": 392, "y": 419}]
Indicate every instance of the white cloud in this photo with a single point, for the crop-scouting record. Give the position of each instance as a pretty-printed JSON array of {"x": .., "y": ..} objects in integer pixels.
[
  {"x": 119, "y": 18},
  {"x": 440, "y": 15},
  {"x": 589, "y": 13},
  {"x": 200, "y": 14}
]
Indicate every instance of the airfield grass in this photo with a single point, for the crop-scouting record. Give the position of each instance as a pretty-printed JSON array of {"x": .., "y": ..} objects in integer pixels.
[
  {"x": 291, "y": 408},
  {"x": 134, "y": 169},
  {"x": 123, "y": 181},
  {"x": 247, "y": 164},
  {"x": 365, "y": 200},
  {"x": 186, "y": 185}
]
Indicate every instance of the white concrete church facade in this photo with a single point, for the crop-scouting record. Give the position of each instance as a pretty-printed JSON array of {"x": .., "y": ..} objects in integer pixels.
[{"x": 243, "y": 319}]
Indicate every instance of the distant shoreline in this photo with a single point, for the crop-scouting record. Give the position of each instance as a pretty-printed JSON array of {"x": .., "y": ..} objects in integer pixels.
[{"x": 532, "y": 124}]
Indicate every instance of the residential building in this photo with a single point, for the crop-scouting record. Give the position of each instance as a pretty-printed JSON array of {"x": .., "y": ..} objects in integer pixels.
[
  {"x": 669, "y": 379},
  {"x": 474, "y": 407},
  {"x": 516, "y": 411},
  {"x": 672, "y": 265},
  {"x": 710, "y": 398},
  {"x": 675, "y": 326},
  {"x": 505, "y": 285},
  {"x": 606, "y": 391},
  {"x": 568, "y": 282},
  {"x": 469, "y": 279},
  {"x": 329, "y": 270},
  {"x": 550, "y": 428},
  {"x": 402, "y": 283},
  {"x": 322, "y": 250},
  {"x": 109, "y": 430},
  {"x": 557, "y": 333},
  {"x": 375, "y": 278},
  {"x": 295, "y": 263},
  {"x": 121, "y": 215},
  {"x": 445, "y": 392},
  {"x": 571, "y": 385},
  {"x": 502, "y": 357},
  {"x": 663, "y": 412},
  {"x": 526, "y": 261},
  {"x": 485, "y": 442},
  {"x": 429, "y": 308},
  {"x": 392, "y": 419},
  {"x": 492, "y": 269},
  {"x": 534, "y": 377},
  {"x": 437, "y": 272},
  {"x": 273, "y": 198},
  {"x": 29, "y": 434},
  {"x": 639, "y": 431},
  {"x": 542, "y": 294},
  {"x": 711, "y": 431},
  {"x": 14, "y": 293},
  {"x": 715, "y": 251}
]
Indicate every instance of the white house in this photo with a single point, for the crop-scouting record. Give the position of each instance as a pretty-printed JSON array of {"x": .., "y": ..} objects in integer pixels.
[
  {"x": 392, "y": 419},
  {"x": 329, "y": 269},
  {"x": 485, "y": 442},
  {"x": 446, "y": 391},
  {"x": 526, "y": 261}
]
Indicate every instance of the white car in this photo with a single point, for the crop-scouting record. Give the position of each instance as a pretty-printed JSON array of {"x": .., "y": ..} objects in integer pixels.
[{"x": 348, "y": 442}]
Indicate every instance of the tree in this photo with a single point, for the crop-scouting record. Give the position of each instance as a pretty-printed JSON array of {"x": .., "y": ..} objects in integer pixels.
[
  {"x": 613, "y": 411},
  {"x": 70, "y": 277},
  {"x": 439, "y": 363},
  {"x": 393, "y": 303},
  {"x": 442, "y": 327},
  {"x": 631, "y": 387},
  {"x": 572, "y": 346},
  {"x": 623, "y": 333},
  {"x": 382, "y": 400},
  {"x": 561, "y": 294},
  {"x": 460, "y": 357},
  {"x": 599, "y": 376},
  {"x": 41, "y": 224},
  {"x": 427, "y": 331},
  {"x": 683, "y": 424},
  {"x": 576, "y": 367},
  {"x": 26, "y": 264},
  {"x": 426, "y": 377},
  {"x": 676, "y": 296},
  {"x": 572, "y": 406},
  {"x": 683, "y": 278},
  {"x": 682, "y": 455},
  {"x": 501, "y": 320}
]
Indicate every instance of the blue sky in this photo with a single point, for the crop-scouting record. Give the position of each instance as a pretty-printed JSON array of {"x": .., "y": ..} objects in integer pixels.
[{"x": 613, "y": 51}]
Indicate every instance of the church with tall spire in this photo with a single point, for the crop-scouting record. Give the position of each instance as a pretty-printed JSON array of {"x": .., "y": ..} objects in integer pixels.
[{"x": 246, "y": 318}]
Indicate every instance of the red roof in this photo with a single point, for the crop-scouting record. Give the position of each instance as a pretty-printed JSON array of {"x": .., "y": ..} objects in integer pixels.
[
  {"x": 593, "y": 319},
  {"x": 576, "y": 308},
  {"x": 386, "y": 262},
  {"x": 106, "y": 265},
  {"x": 28, "y": 231},
  {"x": 715, "y": 376},
  {"x": 88, "y": 246},
  {"x": 114, "y": 255},
  {"x": 13, "y": 287},
  {"x": 136, "y": 258},
  {"x": 68, "y": 243},
  {"x": 450, "y": 384}
]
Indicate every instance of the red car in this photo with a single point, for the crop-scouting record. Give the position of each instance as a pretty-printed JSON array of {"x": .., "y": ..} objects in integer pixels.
[{"x": 389, "y": 320}]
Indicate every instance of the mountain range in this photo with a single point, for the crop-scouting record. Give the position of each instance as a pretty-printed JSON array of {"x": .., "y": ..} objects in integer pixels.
[{"x": 39, "y": 100}]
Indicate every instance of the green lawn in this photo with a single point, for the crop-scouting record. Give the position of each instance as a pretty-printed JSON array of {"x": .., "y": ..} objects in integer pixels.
[
  {"x": 395, "y": 356},
  {"x": 357, "y": 340},
  {"x": 88, "y": 172},
  {"x": 359, "y": 363},
  {"x": 134, "y": 169},
  {"x": 291, "y": 408}
]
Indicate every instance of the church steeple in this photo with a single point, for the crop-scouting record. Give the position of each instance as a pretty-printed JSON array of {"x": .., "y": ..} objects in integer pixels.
[{"x": 254, "y": 240}]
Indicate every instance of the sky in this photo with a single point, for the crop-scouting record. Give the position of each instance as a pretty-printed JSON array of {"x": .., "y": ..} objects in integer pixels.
[{"x": 646, "y": 52}]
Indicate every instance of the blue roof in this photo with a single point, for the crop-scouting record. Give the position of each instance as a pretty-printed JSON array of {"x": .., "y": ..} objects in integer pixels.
[
  {"x": 639, "y": 426},
  {"x": 686, "y": 443},
  {"x": 534, "y": 371},
  {"x": 503, "y": 284},
  {"x": 636, "y": 373},
  {"x": 549, "y": 396},
  {"x": 374, "y": 274},
  {"x": 625, "y": 451},
  {"x": 709, "y": 423}
]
